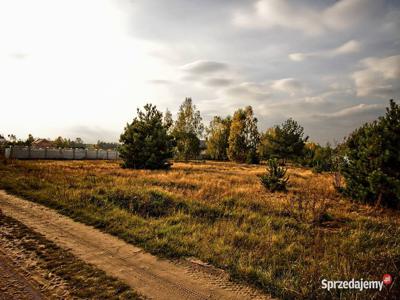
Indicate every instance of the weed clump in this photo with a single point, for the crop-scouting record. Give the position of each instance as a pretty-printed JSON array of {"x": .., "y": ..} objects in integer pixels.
[{"x": 275, "y": 178}]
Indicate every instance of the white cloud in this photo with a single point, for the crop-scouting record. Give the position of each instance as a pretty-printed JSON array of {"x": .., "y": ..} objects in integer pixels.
[
  {"x": 359, "y": 109},
  {"x": 279, "y": 13},
  {"x": 256, "y": 91},
  {"x": 346, "y": 14},
  {"x": 290, "y": 86},
  {"x": 71, "y": 62},
  {"x": 340, "y": 16},
  {"x": 91, "y": 63},
  {"x": 299, "y": 56},
  {"x": 249, "y": 91},
  {"x": 380, "y": 77},
  {"x": 349, "y": 47}
]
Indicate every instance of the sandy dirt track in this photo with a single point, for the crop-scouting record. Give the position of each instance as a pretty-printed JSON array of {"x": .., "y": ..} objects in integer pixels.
[
  {"x": 13, "y": 284},
  {"x": 153, "y": 277}
]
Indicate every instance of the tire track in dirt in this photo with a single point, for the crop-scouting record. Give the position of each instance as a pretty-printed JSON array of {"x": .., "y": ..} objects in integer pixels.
[
  {"x": 14, "y": 285},
  {"x": 151, "y": 276}
]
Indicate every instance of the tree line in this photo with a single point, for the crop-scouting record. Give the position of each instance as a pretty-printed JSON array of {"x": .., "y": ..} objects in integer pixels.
[
  {"x": 233, "y": 138},
  {"x": 368, "y": 159}
]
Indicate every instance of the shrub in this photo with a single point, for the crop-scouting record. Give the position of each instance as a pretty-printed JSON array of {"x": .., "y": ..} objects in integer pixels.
[
  {"x": 275, "y": 178},
  {"x": 371, "y": 165}
]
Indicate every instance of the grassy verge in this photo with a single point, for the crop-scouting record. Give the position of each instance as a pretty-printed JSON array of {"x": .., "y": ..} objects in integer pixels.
[{"x": 219, "y": 212}]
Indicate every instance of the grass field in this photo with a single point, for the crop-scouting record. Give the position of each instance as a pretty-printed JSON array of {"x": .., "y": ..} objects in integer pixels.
[{"x": 284, "y": 243}]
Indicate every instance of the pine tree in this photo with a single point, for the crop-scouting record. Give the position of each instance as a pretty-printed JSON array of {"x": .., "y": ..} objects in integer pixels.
[
  {"x": 371, "y": 165},
  {"x": 275, "y": 178},
  {"x": 288, "y": 140},
  {"x": 146, "y": 143}
]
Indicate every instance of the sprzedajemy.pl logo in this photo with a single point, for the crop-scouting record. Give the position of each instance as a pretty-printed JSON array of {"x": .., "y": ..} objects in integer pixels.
[{"x": 357, "y": 284}]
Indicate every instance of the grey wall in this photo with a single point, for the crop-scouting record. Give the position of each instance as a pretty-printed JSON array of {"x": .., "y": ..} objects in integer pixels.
[{"x": 54, "y": 153}]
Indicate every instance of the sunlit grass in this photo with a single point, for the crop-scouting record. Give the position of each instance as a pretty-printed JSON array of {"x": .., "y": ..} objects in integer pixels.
[{"x": 285, "y": 243}]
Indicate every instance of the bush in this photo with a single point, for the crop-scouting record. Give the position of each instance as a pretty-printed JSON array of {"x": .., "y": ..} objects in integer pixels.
[
  {"x": 275, "y": 178},
  {"x": 371, "y": 165}
]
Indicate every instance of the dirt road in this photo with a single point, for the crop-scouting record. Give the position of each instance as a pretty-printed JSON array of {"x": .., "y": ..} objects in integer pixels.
[
  {"x": 151, "y": 276},
  {"x": 13, "y": 284}
]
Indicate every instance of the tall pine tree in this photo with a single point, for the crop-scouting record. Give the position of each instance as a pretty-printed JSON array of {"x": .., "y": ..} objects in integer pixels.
[
  {"x": 287, "y": 140},
  {"x": 371, "y": 166},
  {"x": 146, "y": 143}
]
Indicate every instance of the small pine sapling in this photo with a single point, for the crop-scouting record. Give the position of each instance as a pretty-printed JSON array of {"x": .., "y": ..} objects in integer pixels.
[{"x": 275, "y": 178}]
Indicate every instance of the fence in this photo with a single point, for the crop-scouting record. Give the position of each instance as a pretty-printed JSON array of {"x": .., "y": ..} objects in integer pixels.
[{"x": 59, "y": 153}]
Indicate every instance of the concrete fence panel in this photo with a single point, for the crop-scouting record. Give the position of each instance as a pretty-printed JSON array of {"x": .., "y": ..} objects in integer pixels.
[
  {"x": 53, "y": 153},
  {"x": 80, "y": 153},
  {"x": 19, "y": 152},
  {"x": 37, "y": 153}
]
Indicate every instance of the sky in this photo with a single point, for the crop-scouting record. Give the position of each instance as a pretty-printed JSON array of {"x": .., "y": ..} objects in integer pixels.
[{"x": 81, "y": 68}]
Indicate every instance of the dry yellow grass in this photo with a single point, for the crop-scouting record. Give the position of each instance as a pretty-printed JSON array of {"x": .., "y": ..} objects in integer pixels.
[{"x": 285, "y": 243}]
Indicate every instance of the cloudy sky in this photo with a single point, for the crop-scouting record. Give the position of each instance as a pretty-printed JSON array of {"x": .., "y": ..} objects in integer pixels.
[{"x": 82, "y": 67}]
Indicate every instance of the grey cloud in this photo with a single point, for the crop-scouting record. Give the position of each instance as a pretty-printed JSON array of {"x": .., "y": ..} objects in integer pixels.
[
  {"x": 380, "y": 77},
  {"x": 248, "y": 48},
  {"x": 288, "y": 85},
  {"x": 349, "y": 47},
  {"x": 360, "y": 109},
  {"x": 209, "y": 73},
  {"x": 204, "y": 67},
  {"x": 343, "y": 15},
  {"x": 218, "y": 82},
  {"x": 249, "y": 91},
  {"x": 312, "y": 20},
  {"x": 336, "y": 125}
]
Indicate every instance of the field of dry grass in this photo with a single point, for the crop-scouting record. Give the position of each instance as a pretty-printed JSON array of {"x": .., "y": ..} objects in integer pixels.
[{"x": 284, "y": 243}]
